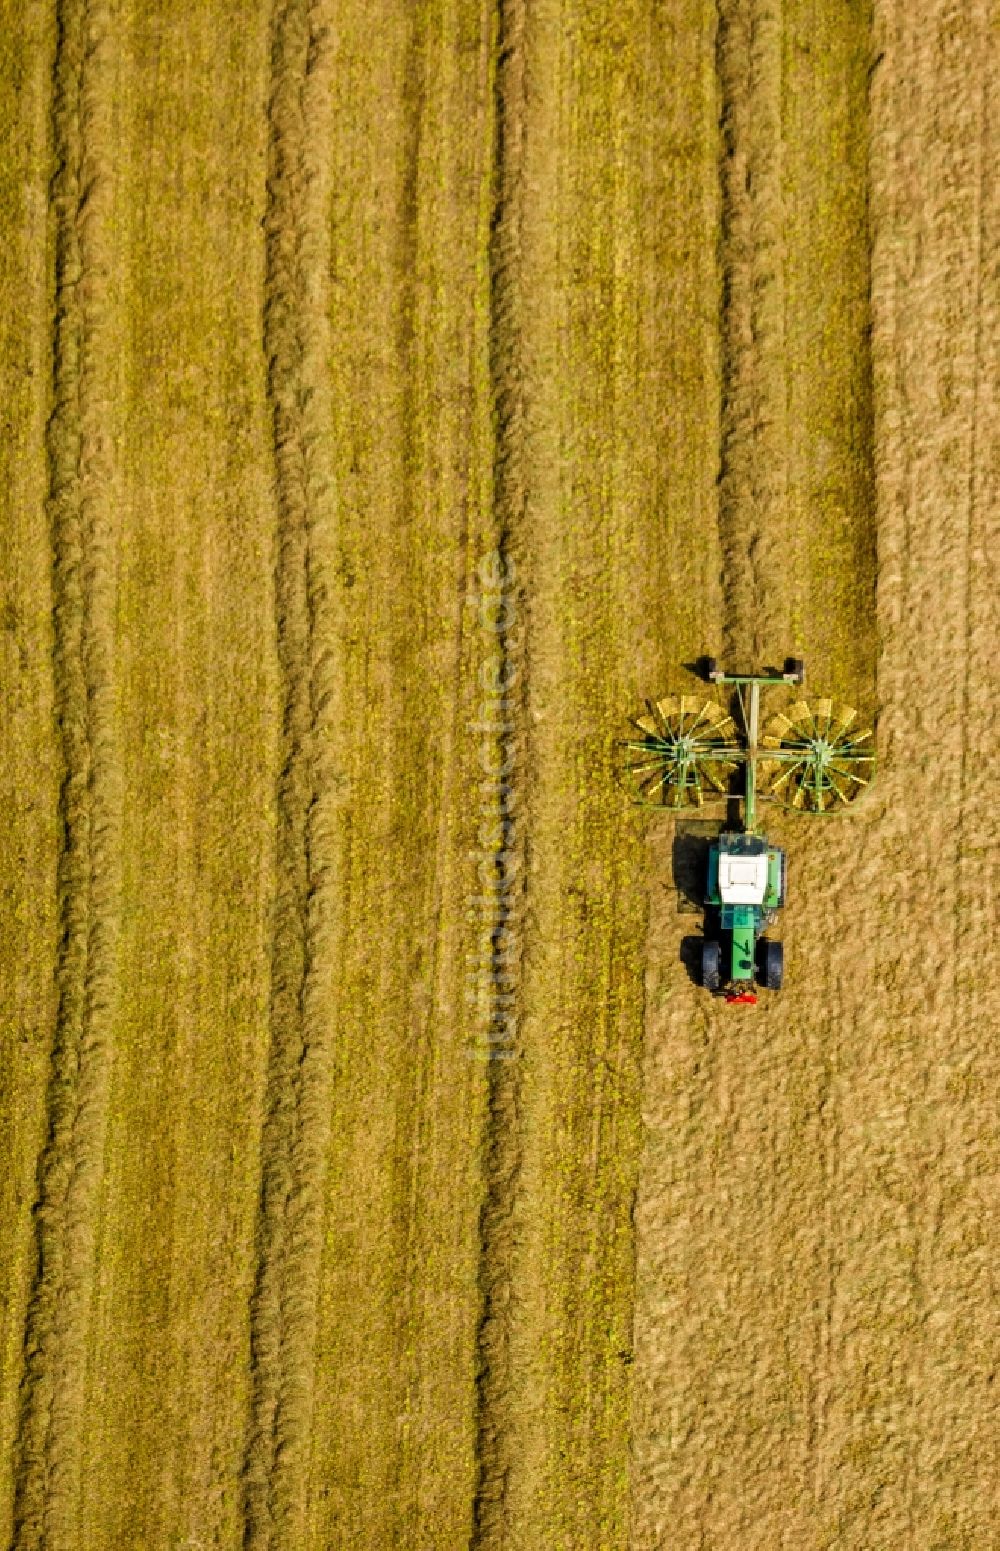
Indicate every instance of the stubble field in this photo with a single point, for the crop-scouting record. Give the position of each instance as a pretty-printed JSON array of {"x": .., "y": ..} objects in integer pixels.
[{"x": 393, "y": 397}]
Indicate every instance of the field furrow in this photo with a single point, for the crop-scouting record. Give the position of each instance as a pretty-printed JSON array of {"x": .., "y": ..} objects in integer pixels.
[
  {"x": 29, "y": 782},
  {"x": 82, "y": 519},
  {"x": 496, "y": 1438},
  {"x": 300, "y": 1069}
]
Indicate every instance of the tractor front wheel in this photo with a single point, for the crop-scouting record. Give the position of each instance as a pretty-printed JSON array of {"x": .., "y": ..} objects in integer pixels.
[
  {"x": 771, "y": 959},
  {"x": 711, "y": 965}
]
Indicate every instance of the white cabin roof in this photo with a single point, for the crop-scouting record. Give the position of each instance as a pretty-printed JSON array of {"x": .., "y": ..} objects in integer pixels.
[{"x": 742, "y": 879}]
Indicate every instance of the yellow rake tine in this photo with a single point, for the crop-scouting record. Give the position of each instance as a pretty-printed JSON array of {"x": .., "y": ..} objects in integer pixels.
[
  {"x": 653, "y": 708},
  {"x": 824, "y": 709},
  {"x": 850, "y": 775},
  {"x": 647, "y": 788},
  {"x": 652, "y": 764},
  {"x": 790, "y": 770},
  {"x": 708, "y": 723},
  {"x": 846, "y": 714}
]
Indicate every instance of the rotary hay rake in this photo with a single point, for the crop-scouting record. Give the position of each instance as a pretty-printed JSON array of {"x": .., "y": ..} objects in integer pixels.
[{"x": 812, "y": 758}]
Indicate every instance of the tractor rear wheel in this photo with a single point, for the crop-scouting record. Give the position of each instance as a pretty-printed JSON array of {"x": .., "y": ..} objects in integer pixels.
[
  {"x": 771, "y": 961},
  {"x": 711, "y": 965}
]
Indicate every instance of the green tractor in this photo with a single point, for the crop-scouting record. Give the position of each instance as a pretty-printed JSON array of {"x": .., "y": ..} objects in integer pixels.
[{"x": 812, "y": 758}]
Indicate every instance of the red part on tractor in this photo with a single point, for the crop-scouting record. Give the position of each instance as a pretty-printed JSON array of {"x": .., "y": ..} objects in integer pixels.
[{"x": 744, "y": 996}]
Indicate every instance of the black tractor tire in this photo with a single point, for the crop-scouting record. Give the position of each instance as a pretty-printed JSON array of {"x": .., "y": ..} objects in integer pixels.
[
  {"x": 771, "y": 963},
  {"x": 711, "y": 965},
  {"x": 797, "y": 666}
]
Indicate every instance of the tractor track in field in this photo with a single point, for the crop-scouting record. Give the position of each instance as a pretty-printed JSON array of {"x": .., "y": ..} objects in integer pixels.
[
  {"x": 753, "y": 472},
  {"x": 297, "y": 1117},
  {"x": 48, "y": 1467},
  {"x": 502, "y": 1141}
]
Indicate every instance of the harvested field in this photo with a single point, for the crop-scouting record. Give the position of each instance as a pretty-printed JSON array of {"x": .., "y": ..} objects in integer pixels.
[{"x": 393, "y": 398}]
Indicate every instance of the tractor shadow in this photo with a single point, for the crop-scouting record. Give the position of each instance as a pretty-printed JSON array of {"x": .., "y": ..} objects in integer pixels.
[
  {"x": 690, "y": 957},
  {"x": 692, "y": 841}
]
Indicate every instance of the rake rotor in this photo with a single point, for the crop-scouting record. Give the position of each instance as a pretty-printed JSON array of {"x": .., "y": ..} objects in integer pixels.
[
  {"x": 820, "y": 759},
  {"x": 682, "y": 750}
]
